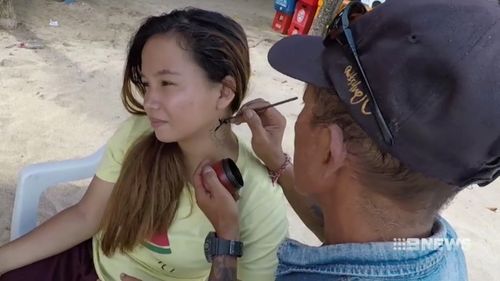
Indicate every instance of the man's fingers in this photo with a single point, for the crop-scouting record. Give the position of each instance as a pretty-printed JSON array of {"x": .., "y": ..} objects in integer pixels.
[
  {"x": 200, "y": 190},
  {"x": 206, "y": 183},
  {"x": 213, "y": 184},
  {"x": 255, "y": 123},
  {"x": 197, "y": 175},
  {"x": 210, "y": 180},
  {"x": 256, "y": 103}
]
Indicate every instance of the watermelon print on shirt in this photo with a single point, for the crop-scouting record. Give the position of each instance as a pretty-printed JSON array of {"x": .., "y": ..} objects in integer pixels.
[{"x": 159, "y": 244}]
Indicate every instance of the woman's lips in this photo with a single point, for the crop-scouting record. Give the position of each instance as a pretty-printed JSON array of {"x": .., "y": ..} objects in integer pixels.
[{"x": 155, "y": 123}]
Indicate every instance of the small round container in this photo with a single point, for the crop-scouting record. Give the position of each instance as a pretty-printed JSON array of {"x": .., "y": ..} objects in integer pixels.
[{"x": 229, "y": 175}]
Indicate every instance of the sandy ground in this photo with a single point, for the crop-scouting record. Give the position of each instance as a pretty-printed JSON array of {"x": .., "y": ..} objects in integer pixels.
[{"x": 62, "y": 102}]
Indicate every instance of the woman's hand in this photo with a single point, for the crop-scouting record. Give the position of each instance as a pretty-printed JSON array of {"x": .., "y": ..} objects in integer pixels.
[
  {"x": 267, "y": 128},
  {"x": 216, "y": 202}
]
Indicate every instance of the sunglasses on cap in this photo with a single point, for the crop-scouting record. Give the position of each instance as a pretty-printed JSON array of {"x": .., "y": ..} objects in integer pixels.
[{"x": 339, "y": 32}]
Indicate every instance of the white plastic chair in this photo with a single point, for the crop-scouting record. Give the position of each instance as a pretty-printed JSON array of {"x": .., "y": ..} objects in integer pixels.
[{"x": 35, "y": 179}]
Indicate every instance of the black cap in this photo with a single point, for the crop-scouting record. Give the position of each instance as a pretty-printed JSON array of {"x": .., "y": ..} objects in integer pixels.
[{"x": 434, "y": 68}]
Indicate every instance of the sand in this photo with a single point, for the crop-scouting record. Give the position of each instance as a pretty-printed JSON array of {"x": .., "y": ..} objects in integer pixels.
[{"x": 63, "y": 102}]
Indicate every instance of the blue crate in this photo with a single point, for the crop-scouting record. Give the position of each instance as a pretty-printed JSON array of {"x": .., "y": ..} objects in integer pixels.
[{"x": 285, "y": 6}]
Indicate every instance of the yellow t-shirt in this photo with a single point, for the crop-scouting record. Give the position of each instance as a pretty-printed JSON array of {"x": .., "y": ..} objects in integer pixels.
[{"x": 178, "y": 254}]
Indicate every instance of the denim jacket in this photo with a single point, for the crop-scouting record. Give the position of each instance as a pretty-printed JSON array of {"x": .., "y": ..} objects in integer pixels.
[{"x": 435, "y": 258}]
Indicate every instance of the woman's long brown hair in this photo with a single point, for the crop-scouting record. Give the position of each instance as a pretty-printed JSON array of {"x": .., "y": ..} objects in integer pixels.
[{"x": 146, "y": 195}]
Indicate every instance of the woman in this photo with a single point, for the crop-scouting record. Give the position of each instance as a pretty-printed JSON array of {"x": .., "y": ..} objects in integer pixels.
[{"x": 185, "y": 70}]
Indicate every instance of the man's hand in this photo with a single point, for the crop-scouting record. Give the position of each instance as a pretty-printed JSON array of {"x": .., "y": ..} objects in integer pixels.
[
  {"x": 221, "y": 209},
  {"x": 267, "y": 128},
  {"x": 216, "y": 202}
]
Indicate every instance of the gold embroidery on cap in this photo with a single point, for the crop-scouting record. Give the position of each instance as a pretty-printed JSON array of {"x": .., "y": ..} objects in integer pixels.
[{"x": 357, "y": 94}]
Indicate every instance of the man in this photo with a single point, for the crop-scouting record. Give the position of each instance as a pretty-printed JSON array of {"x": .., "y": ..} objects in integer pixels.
[{"x": 400, "y": 113}]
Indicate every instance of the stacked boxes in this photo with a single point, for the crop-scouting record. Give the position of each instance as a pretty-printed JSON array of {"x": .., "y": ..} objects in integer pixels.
[
  {"x": 284, "y": 14},
  {"x": 303, "y": 17}
]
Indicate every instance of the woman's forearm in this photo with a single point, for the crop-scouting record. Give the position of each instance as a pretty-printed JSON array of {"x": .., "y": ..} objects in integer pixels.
[{"x": 59, "y": 233}]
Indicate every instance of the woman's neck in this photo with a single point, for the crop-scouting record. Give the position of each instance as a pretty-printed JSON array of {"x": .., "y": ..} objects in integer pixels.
[{"x": 208, "y": 146}]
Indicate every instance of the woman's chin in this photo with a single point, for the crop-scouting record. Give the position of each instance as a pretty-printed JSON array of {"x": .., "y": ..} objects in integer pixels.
[{"x": 163, "y": 137}]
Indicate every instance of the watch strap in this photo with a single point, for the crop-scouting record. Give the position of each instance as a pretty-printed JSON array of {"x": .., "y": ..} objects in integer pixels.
[
  {"x": 227, "y": 248},
  {"x": 216, "y": 246}
]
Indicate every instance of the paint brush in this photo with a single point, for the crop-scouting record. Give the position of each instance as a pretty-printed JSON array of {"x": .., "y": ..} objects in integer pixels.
[{"x": 258, "y": 110}]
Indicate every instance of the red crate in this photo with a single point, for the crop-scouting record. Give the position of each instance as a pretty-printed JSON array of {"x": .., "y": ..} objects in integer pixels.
[
  {"x": 302, "y": 18},
  {"x": 281, "y": 22},
  {"x": 310, "y": 2}
]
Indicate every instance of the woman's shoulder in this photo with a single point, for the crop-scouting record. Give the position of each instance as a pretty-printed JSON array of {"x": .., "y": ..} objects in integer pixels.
[
  {"x": 258, "y": 188},
  {"x": 130, "y": 130},
  {"x": 117, "y": 146},
  {"x": 252, "y": 169}
]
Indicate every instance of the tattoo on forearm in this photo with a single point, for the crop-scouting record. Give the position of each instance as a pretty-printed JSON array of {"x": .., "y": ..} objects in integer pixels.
[
  {"x": 316, "y": 210},
  {"x": 223, "y": 269}
]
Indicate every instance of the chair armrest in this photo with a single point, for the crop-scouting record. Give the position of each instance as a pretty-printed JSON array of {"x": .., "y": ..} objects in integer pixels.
[{"x": 35, "y": 179}]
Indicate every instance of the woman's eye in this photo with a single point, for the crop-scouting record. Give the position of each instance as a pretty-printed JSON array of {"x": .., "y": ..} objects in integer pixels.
[
  {"x": 145, "y": 84},
  {"x": 166, "y": 83}
]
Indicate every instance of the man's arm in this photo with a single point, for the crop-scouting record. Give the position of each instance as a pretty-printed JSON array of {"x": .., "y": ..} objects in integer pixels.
[
  {"x": 267, "y": 129},
  {"x": 223, "y": 269},
  {"x": 221, "y": 210},
  {"x": 305, "y": 208}
]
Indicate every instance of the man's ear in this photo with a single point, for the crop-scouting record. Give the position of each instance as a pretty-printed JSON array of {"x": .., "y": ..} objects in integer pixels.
[
  {"x": 227, "y": 92},
  {"x": 329, "y": 154},
  {"x": 337, "y": 151}
]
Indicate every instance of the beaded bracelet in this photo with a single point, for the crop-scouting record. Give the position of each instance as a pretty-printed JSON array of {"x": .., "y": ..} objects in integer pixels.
[{"x": 275, "y": 175}]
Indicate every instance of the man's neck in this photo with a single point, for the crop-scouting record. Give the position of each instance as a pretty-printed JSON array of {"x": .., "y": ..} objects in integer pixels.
[{"x": 354, "y": 220}]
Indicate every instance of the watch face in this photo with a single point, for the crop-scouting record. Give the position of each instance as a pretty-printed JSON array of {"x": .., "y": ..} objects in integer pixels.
[{"x": 208, "y": 246}]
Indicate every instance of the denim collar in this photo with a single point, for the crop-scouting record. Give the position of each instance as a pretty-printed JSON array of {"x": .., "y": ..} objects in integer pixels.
[{"x": 365, "y": 259}]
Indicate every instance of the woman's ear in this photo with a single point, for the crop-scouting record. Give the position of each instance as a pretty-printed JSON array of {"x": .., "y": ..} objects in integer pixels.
[{"x": 227, "y": 92}]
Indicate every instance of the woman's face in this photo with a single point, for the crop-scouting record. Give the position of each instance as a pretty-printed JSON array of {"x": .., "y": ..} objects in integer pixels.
[{"x": 180, "y": 101}]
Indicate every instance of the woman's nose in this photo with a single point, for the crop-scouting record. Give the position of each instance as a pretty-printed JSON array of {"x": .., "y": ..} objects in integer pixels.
[{"x": 150, "y": 100}]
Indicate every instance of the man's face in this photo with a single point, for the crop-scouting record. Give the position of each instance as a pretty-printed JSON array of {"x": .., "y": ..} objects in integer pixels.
[{"x": 307, "y": 158}]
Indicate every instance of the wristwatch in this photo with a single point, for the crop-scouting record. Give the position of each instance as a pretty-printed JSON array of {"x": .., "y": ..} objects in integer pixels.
[{"x": 215, "y": 246}]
